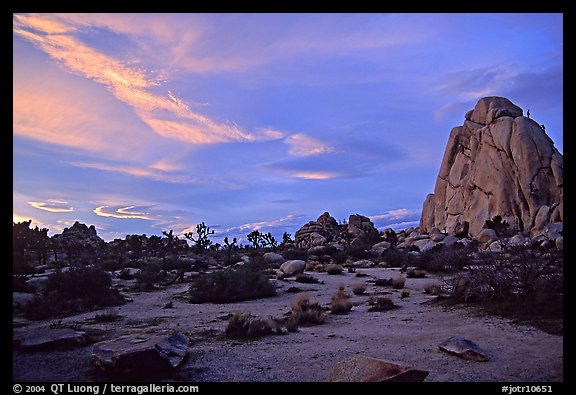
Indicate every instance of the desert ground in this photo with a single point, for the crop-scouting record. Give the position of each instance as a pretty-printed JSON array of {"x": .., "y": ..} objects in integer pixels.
[{"x": 408, "y": 336}]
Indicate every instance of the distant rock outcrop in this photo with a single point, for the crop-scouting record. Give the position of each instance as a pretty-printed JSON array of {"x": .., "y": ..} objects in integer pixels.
[
  {"x": 499, "y": 163},
  {"x": 80, "y": 235},
  {"x": 359, "y": 231}
]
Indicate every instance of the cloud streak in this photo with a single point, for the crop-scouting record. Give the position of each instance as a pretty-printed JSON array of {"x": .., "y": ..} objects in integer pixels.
[
  {"x": 120, "y": 212},
  {"x": 53, "y": 206},
  {"x": 166, "y": 114},
  {"x": 302, "y": 145}
]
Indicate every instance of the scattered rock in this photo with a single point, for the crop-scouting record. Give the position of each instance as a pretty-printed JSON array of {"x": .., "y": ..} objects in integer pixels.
[
  {"x": 449, "y": 240},
  {"x": 273, "y": 258},
  {"x": 50, "y": 339},
  {"x": 363, "y": 263},
  {"x": 517, "y": 240},
  {"x": 20, "y": 299},
  {"x": 293, "y": 267},
  {"x": 463, "y": 348},
  {"x": 486, "y": 237},
  {"x": 379, "y": 248},
  {"x": 359, "y": 368},
  {"x": 560, "y": 243},
  {"x": 141, "y": 354}
]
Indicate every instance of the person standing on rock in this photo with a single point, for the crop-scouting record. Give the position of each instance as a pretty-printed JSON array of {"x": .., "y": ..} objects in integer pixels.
[{"x": 528, "y": 114}]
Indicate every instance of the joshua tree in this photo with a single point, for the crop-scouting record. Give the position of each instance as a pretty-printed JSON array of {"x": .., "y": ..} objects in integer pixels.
[
  {"x": 254, "y": 238},
  {"x": 287, "y": 238},
  {"x": 201, "y": 242},
  {"x": 230, "y": 247},
  {"x": 167, "y": 247},
  {"x": 267, "y": 240}
]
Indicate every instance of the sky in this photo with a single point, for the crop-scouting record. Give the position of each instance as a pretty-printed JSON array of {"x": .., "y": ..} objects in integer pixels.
[{"x": 139, "y": 123}]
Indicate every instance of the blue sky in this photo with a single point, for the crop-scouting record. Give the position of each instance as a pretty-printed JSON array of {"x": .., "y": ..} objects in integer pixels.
[{"x": 139, "y": 123}]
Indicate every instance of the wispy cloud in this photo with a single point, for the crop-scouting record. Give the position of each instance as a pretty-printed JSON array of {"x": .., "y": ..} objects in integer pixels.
[
  {"x": 275, "y": 226},
  {"x": 314, "y": 175},
  {"x": 126, "y": 212},
  {"x": 53, "y": 206},
  {"x": 168, "y": 115},
  {"x": 396, "y": 218},
  {"x": 302, "y": 145}
]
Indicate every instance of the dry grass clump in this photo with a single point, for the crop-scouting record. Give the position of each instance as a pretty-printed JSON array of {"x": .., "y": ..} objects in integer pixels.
[
  {"x": 383, "y": 282},
  {"x": 340, "y": 301},
  {"x": 381, "y": 303},
  {"x": 110, "y": 314},
  {"x": 432, "y": 288},
  {"x": 333, "y": 268},
  {"x": 248, "y": 326},
  {"x": 404, "y": 294},
  {"x": 304, "y": 313},
  {"x": 399, "y": 282},
  {"x": 306, "y": 279},
  {"x": 416, "y": 273},
  {"x": 358, "y": 288}
]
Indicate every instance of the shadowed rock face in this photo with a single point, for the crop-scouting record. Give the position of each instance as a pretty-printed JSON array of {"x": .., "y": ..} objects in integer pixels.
[{"x": 497, "y": 163}]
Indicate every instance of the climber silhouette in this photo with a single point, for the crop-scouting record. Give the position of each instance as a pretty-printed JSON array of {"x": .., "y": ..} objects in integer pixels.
[
  {"x": 543, "y": 127},
  {"x": 528, "y": 114}
]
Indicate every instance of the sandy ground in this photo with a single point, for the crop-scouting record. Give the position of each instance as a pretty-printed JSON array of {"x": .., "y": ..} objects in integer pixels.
[{"x": 408, "y": 336}]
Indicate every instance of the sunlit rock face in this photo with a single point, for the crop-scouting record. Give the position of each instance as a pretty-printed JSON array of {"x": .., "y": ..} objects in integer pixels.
[{"x": 497, "y": 163}]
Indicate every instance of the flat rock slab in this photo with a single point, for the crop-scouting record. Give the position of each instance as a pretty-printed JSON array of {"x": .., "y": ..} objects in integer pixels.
[
  {"x": 141, "y": 353},
  {"x": 50, "y": 339},
  {"x": 464, "y": 348},
  {"x": 366, "y": 369}
]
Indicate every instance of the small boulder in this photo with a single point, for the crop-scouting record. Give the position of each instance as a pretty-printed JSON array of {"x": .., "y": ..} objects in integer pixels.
[
  {"x": 293, "y": 267},
  {"x": 359, "y": 368},
  {"x": 463, "y": 348},
  {"x": 364, "y": 263},
  {"x": 449, "y": 240},
  {"x": 273, "y": 258},
  {"x": 560, "y": 243},
  {"x": 486, "y": 237},
  {"x": 379, "y": 248}
]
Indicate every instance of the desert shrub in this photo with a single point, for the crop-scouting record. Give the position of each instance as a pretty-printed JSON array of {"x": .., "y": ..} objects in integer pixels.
[
  {"x": 415, "y": 273},
  {"x": 339, "y": 257},
  {"x": 381, "y": 303},
  {"x": 76, "y": 290},
  {"x": 446, "y": 259},
  {"x": 432, "y": 288},
  {"x": 21, "y": 266},
  {"x": 126, "y": 275},
  {"x": 358, "y": 288},
  {"x": 231, "y": 285},
  {"x": 398, "y": 258},
  {"x": 112, "y": 263},
  {"x": 110, "y": 314},
  {"x": 248, "y": 326},
  {"x": 295, "y": 253},
  {"x": 404, "y": 294},
  {"x": 340, "y": 301},
  {"x": 306, "y": 278},
  {"x": 332, "y": 268},
  {"x": 383, "y": 282},
  {"x": 150, "y": 274},
  {"x": 399, "y": 282},
  {"x": 19, "y": 284},
  {"x": 304, "y": 313},
  {"x": 360, "y": 253}
]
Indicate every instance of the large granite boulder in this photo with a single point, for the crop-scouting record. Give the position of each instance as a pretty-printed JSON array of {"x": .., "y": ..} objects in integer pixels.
[
  {"x": 317, "y": 233},
  {"x": 497, "y": 163},
  {"x": 293, "y": 267},
  {"x": 139, "y": 354},
  {"x": 362, "y": 231}
]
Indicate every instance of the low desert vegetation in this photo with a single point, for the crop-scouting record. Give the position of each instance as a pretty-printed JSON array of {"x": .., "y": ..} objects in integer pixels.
[
  {"x": 358, "y": 288},
  {"x": 73, "y": 291},
  {"x": 231, "y": 285},
  {"x": 306, "y": 279},
  {"x": 398, "y": 282},
  {"x": 383, "y": 282},
  {"x": 381, "y": 303},
  {"x": 109, "y": 315},
  {"x": 404, "y": 294},
  {"x": 333, "y": 268},
  {"x": 416, "y": 273},
  {"x": 432, "y": 288},
  {"x": 304, "y": 313},
  {"x": 248, "y": 326},
  {"x": 340, "y": 301}
]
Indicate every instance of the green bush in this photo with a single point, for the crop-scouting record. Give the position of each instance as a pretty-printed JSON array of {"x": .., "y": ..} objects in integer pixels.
[
  {"x": 231, "y": 285},
  {"x": 150, "y": 274},
  {"x": 76, "y": 290}
]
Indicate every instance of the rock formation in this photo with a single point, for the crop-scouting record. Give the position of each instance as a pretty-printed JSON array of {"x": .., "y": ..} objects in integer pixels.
[
  {"x": 498, "y": 163},
  {"x": 359, "y": 231}
]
